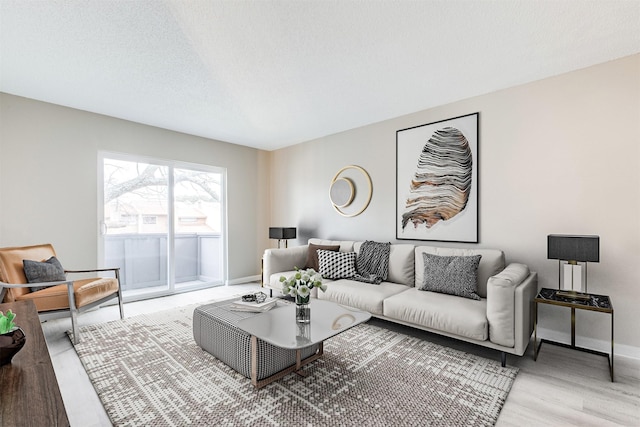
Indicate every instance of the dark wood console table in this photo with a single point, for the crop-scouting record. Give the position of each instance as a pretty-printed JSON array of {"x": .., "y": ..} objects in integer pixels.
[{"x": 30, "y": 393}]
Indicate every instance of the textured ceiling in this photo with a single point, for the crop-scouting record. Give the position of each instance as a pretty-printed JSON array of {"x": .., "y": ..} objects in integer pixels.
[{"x": 269, "y": 74}]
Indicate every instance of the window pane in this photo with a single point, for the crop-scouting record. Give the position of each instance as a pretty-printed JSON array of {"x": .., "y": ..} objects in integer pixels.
[
  {"x": 136, "y": 222},
  {"x": 198, "y": 222},
  {"x": 135, "y": 197}
]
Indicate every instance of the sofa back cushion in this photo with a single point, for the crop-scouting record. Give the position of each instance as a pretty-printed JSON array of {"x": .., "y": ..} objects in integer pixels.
[
  {"x": 345, "y": 245},
  {"x": 312, "y": 255},
  {"x": 401, "y": 263},
  {"x": 491, "y": 263}
]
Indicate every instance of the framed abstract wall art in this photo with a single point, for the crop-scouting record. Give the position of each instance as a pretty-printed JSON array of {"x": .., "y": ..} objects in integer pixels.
[{"x": 437, "y": 181}]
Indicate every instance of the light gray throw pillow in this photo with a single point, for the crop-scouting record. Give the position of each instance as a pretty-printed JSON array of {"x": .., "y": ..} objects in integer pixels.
[{"x": 453, "y": 275}]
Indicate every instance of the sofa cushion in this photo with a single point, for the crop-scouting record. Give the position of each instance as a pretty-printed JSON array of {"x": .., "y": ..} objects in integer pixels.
[
  {"x": 360, "y": 295},
  {"x": 401, "y": 263},
  {"x": 345, "y": 245},
  {"x": 312, "y": 255},
  {"x": 337, "y": 265},
  {"x": 501, "y": 303},
  {"x": 47, "y": 271},
  {"x": 492, "y": 263},
  {"x": 441, "y": 312},
  {"x": 453, "y": 275}
]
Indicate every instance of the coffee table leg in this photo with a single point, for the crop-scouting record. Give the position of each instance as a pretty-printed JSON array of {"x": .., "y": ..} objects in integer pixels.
[
  {"x": 300, "y": 363},
  {"x": 297, "y": 368}
]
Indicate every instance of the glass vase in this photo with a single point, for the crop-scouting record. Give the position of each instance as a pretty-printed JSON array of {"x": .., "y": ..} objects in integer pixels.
[{"x": 303, "y": 309}]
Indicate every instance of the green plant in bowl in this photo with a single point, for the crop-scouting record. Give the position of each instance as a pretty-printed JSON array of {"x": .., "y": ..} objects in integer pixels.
[{"x": 6, "y": 322}]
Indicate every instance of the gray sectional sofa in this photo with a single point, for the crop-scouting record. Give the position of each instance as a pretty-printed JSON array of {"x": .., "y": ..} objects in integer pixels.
[{"x": 502, "y": 319}]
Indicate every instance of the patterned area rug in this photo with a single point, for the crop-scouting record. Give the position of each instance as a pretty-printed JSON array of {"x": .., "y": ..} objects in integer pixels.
[{"x": 149, "y": 371}]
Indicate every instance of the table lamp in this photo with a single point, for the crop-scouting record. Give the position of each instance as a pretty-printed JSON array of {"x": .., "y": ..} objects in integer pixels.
[
  {"x": 282, "y": 233},
  {"x": 573, "y": 250}
]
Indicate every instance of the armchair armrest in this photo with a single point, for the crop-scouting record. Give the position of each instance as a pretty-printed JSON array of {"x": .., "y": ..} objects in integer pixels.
[
  {"x": 116, "y": 270},
  {"x": 39, "y": 284},
  {"x": 281, "y": 260},
  {"x": 4, "y": 286},
  {"x": 503, "y": 298}
]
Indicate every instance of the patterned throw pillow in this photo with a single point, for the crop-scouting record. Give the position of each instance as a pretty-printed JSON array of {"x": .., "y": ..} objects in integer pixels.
[
  {"x": 453, "y": 275},
  {"x": 48, "y": 271},
  {"x": 337, "y": 265}
]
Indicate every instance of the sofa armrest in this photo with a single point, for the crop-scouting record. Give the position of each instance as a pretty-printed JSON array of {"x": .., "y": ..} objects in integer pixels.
[
  {"x": 281, "y": 260},
  {"x": 507, "y": 293},
  {"x": 525, "y": 294}
]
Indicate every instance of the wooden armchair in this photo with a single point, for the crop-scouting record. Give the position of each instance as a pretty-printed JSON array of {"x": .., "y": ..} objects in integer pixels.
[{"x": 74, "y": 296}]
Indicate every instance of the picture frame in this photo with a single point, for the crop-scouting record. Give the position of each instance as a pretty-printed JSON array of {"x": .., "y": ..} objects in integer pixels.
[{"x": 437, "y": 180}]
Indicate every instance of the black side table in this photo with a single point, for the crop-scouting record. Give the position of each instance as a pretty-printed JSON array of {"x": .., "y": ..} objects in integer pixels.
[{"x": 600, "y": 303}]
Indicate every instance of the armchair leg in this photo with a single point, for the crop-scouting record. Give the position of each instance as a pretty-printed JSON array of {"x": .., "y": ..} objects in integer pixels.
[
  {"x": 74, "y": 326},
  {"x": 74, "y": 313},
  {"x": 119, "y": 294},
  {"x": 503, "y": 359}
]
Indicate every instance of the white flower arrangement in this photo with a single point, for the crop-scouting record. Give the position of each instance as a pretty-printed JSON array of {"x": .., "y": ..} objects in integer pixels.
[{"x": 300, "y": 284}]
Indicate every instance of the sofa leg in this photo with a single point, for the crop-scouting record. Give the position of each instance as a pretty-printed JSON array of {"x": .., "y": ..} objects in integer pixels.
[
  {"x": 270, "y": 293},
  {"x": 503, "y": 359}
]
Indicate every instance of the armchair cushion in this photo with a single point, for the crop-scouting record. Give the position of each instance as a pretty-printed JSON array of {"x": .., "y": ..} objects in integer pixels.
[
  {"x": 48, "y": 271},
  {"x": 85, "y": 292}
]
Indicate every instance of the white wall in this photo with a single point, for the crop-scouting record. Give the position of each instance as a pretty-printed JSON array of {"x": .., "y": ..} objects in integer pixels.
[
  {"x": 48, "y": 179},
  {"x": 560, "y": 155}
]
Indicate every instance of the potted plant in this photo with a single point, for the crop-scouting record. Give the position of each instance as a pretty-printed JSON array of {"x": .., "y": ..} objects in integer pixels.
[{"x": 12, "y": 338}]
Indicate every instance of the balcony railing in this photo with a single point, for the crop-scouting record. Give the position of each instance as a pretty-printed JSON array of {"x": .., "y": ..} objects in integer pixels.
[{"x": 142, "y": 259}]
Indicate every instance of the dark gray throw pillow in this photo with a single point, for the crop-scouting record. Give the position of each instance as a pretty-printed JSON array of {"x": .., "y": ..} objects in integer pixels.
[
  {"x": 453, "y": 275},
  {"x": 48, "y": 271}
]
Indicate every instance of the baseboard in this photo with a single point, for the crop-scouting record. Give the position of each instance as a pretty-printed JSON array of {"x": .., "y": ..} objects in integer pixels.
[
  {"x": 592, "y": 344},
  {"x": 244, "y": 280}
]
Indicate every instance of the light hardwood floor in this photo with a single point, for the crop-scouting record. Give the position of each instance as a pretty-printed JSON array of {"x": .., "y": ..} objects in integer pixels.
[{"x": 563, "y": 388}]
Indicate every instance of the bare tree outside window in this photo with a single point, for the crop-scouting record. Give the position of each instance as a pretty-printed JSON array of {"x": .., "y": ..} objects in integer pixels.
[
  {"x": 136, "y": 190},
  {"x": 137, "y": 234}
]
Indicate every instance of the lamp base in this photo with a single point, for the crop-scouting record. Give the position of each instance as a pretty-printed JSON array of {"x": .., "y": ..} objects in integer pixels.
[{"x": 573, "y": 295}]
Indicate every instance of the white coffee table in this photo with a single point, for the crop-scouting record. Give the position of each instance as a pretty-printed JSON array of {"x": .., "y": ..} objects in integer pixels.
[{"x": 278, "y": 327}]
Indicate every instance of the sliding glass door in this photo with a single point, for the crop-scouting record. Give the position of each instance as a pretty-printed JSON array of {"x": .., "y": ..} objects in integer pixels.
[{"x": 162, "y": 223}]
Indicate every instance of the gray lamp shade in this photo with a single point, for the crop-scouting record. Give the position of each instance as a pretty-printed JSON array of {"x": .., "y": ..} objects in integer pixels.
[
  {"x": 282, "y": 232},
  {"x": 573, "y": 248}
]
